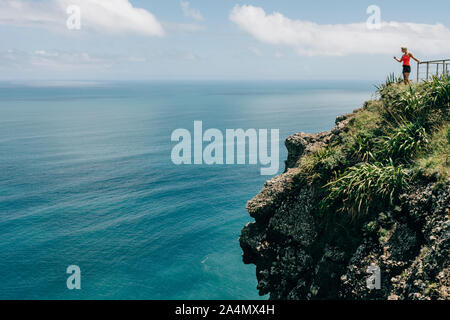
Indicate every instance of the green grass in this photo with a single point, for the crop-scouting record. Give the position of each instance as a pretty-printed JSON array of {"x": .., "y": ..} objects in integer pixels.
[
  {"x": 405, "y": 142},
  {"x": 366, "y": 187},
  {"x": 390, "y": 80},
  {"x": 318, "y": 167},
  {"x": 406, "y": 131},
  {"x": 435, "y": 162}
]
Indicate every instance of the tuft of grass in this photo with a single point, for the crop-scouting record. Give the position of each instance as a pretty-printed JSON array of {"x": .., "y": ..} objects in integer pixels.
[
  {"x": 405, "y": 142},
  {"x": 366, "y": 187},
  {"x": 322, "y": 165},
  {"x": 436, "y": 161},
  {"x": 426, "y": 103},
  {"x": 408, "y": 106},
  {"x": 437, "y": 102},
  {"x": 364, "y": 146},
  {"x": 390, "y": 80},
  {"x": 438, "y": 93},
  {"x": 363, "y": 137}
]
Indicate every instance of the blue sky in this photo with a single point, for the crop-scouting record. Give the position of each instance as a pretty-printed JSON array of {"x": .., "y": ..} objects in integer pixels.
[{"x": 212, "y": 39}]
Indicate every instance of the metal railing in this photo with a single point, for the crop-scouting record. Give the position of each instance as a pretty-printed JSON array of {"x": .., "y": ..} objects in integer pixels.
[{"x": 428, "y": 69}]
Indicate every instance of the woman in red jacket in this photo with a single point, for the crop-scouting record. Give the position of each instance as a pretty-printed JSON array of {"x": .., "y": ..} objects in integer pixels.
[{"x": 406, "y": 59}]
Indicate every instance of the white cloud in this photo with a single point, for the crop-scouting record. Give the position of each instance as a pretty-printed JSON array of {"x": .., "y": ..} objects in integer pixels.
[
  {"x": 111, "y": 16},
  {"x": 190, "y": 12},
  {"x": 309, "y": 38}
]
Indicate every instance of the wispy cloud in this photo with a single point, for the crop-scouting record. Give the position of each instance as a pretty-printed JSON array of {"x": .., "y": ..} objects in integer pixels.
[
  {"x": 183, "y": 27},
  {"x": 278, "y": 55},
  {"x": 255, "y": 51},
  {"x": 190, "y": 12},
  {"x": 309, "y": 38},
  {"x": 67, "y": 61},
  {"x": 60, "y": 60},
  {"x": 110, "y": 16}
]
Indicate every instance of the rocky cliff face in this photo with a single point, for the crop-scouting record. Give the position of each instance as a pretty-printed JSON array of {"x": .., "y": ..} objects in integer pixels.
[{"x": 300, "y": 255}]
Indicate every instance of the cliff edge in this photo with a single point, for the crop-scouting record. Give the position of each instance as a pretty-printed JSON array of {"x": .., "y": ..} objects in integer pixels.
[{"x": 372, "y": 192}]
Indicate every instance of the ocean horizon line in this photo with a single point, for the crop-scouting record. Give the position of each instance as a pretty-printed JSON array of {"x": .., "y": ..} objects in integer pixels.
[{"x": 333, "y": 83}]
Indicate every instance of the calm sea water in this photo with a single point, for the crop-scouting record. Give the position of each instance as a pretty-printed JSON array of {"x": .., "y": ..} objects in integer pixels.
[{"x": 86, "y": 179}]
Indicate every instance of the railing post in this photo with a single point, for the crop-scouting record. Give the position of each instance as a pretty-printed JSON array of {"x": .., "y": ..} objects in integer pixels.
[
  {"x": 418, "y": 69},
  {"x": 428, "y": 69}
]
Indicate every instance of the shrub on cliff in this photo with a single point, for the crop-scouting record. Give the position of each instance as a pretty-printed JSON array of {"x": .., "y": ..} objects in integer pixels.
[
  {"x": 405, "y": 142},
  {"x": 318, "y": 167},
  {"x": 366, "y": 187},
  {"x": 426, "y": 104}
]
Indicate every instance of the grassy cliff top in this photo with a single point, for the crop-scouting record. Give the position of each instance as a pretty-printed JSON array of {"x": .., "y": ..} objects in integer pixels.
[{"x": 391, "y": 143}]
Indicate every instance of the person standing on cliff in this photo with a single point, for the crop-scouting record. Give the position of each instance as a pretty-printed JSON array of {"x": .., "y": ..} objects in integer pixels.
[{"x": 406, "y": 59}]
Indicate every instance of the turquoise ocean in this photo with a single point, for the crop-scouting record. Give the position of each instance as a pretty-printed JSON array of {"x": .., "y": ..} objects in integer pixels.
[{"x": 86, "y": 179}]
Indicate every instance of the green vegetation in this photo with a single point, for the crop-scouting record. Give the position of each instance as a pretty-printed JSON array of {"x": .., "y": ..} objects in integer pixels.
[
  {"x": 405, "y": 142},
  {"x": 320, "y": 165},
  {"x": 390, "y": 80},
  {"x": 388, "y": 145},
  {"x": 366, "y": 186},
  {"x": 436, "y": 162}
]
